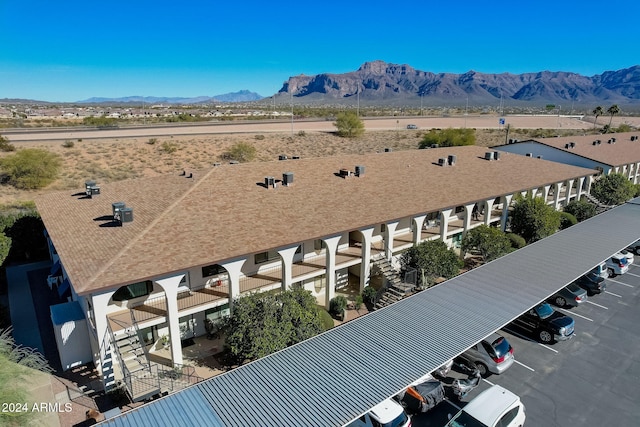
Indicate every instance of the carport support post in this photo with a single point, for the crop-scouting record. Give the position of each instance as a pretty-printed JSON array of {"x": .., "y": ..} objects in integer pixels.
[
  {"x": 287, "y": 263},
  {"x": 233, "y": 268},
  {"x": 331, "y": 247},
  {"x": 365, "y": 265},
  {"x": 505, "y": 211},
  {"x": 170, "y": 286},
  {"x": 417, "y": 229}
]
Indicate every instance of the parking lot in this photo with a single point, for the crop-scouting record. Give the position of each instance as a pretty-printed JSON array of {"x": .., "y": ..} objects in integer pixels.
[{"x": 590, "y": 380}]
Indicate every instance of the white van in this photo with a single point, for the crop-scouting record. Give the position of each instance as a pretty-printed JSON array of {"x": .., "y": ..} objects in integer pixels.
[
  {"x": 601, "y": 270},
  {"x": 387, "y": 413},
  {"x": 494, "y": 407}
]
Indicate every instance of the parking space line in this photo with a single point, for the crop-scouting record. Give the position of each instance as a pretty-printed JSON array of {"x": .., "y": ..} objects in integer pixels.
[
  {"x": 620, "y": 283},
  {"x": 529, "y": 339},
  {"x": 575, "y": 314},
  {"x": 597, "y": 305},
  {"x": 611, "y": 293},
  {"x": 524, "y": 366},
  {"x": 487, "y": 381},
  {"x": 631, "y": 274}
]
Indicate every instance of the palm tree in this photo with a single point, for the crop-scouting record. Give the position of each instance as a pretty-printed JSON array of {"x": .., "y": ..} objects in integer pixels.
[
  {"x": 597, "y": 112},
  {"x": 613, "y": 110}
]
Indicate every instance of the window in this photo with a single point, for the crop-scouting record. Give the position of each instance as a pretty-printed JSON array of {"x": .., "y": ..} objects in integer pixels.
[
  {"x": 132, "y": 291},
  {"x": 212, "y": 270},
  {"x": 263, "y": 257},
  {"x": 508, "y": 417},
  {"x": 318, "y": 244}
]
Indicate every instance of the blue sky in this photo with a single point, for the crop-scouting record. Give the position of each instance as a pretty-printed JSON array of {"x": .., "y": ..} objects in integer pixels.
[{"x": 71, "y": 50}]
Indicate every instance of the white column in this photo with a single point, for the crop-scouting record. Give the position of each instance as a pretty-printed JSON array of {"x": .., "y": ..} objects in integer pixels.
[
  {"x": 234, "y": 269},
  {"x": 444, "y": 223},
  {"x": 365, "y": 266},
  {"x": 417, "y": 228},
  {"x": 533, "y": 191},
  {"x": 390, "y": 231},
  {"x": 558, "y": 189},
  {"x": 331, "y": 247},
  {"x": 569, "y": 184},
  {"x": 488, "y": 206},
  {"x": 589, "y": 183},
  {"x": 505, "y": 211},
  {"x": 287, "y": 263},
  {"x": 466, "y": 222},
  {"x": 579, "y": 190},
  {"x": 545, "y": 192},
  {"x": 170, "y": 287}
]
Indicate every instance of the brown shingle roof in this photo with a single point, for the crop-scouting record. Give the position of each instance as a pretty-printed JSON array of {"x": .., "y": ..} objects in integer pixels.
[
  {"x": 622, "y": 152},
  {"x": 223, "y": 212}
]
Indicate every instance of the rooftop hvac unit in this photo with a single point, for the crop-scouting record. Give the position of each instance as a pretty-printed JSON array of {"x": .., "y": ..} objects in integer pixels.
[
  {"x": 90, "y": 188},
  {"x": 451, "y": 160},
  {"x": 388, "y": 150},
  {"x": 287, "y": 178},
  {"x": 488, "y": 155},
  {"x": 539, "y": 157},
  {"x": 496, "y": 155},
  {"x": 595, "y": 142},
  {"x": 442, "y": 161},
  {"x": 434, "y": 145},
  {"x": 510, "y": 141},
  {"x": 572, "y": 144},
  {"x": 295, "y": 157},
  {"x": 216, "y": 164},
  {"x": 529, "y": 154},
  {"x": 359, "y": 170},
  {"x": 269, "y": 181},
  {"x": 126, "y": 215},
  {"x": 117, "y": 208},
  {"x": 566, "y": 146},
  {"x": 234, "y": 162},
  {"x": 282, "y": 157},
  {"x": 344, "y": 173},
  {"x": 89, "y": 184},
  {"x": 613, "y": 139}
]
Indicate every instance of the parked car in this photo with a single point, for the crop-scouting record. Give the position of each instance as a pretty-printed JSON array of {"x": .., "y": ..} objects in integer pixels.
[
  {"x": 571, "y": 295},
  {"x": 601, "y": 270},
  {"x": 492, "y": 355},
  {"x": 387, "y": 413},
  {"x": 617, "y": 264},
  {"x": 412, "y": 127},
  {"x": 628, "y": 255},
  {"x": 635, "y": 247},
  {"x": 592, "y": 283},
  {"x": 494, "y": 407},
  {"x": 546, "y": 323}
]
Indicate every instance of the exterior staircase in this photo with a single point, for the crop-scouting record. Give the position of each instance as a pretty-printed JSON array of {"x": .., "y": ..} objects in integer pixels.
[
  {"x": 599, "y": 206},
  {"x": 394, "y": 288}
]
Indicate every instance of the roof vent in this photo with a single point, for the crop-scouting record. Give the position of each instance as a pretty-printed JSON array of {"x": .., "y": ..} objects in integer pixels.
[
  {"x": 539, "y": 157},
  {"x": 633, "y": 137},
  {"x": 282, "y": 157},
  {"x": 529, "y": 154},
  {"x": 451, "y": 160},
  {"x": 488, "y": 155},
  {"x": 359, "y": 170},
  {"x": 496, "y": 155},
  {"x": 388, "y": 150},
  {"x": 566, "y": 146},
  {"x": 216, "y": 164},
  {"x": 613, "y": 139},
  {"x": 295, "y": 157},
  {"x": 609, "y": 142},
  {"x": 90, "y": 188},
  {"x": 269, "y": 182},
  {"x": 442, "y": 161},
  {"x": 595, "y": 142},
  {"x": 287, "y": 178},
  {"x": 234, "y": 162},
  {"x": 435, "y": 145}
]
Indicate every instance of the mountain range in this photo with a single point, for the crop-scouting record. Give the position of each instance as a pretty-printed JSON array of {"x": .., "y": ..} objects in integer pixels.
[
  {"x": 240, "y": 96},
  {"x": 378, "y": 82}
]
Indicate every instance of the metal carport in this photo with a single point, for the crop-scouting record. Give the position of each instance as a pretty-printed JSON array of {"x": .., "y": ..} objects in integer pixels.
[{"x": 337, "y": 376}]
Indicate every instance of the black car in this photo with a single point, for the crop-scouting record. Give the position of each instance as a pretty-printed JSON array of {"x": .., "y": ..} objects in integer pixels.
[
  {"x": 592, "y": 283},
  {"x": 546, "y": 323}
]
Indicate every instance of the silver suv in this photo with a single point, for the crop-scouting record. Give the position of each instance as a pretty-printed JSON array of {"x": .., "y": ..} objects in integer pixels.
[{"x": 493, "y": 355}]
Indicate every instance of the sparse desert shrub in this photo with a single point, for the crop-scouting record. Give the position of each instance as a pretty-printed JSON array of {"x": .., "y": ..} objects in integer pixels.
[
  {"x": 5, "y": 145},
  {"x": 169, "y": 147},
  {"x": 259, "y": 137},
  {"x": 31, "y": 168},
  {"x": 152, "y": 141},
  {"x": 241, "y": 152},
  {"x": 68, "y": 143},
  {"x": 302, "y": 133}
]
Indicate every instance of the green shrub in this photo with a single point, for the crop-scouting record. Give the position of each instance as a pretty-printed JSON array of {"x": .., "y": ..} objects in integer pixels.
[
  {"x": 567, "y": 220},
  {"x": 358, "y": 302},
  {"x": 169, "y": 147},
  {"x": 241, "y": 152},
  {"x": 517, "y": 242},
  {"x": 448, "y": 138},
  {"x": 152, "y": 141},
  {"x": 68, "y": 143},
  {"x": 369, "y": 294},
  {"x": 259, "y": 137},
  {"x": 5, "y": 145},
  {"x": 581, "y": 209},
  {"x": 302, "y": 133},
  {"x": 31, "y": 168},
  {"x": 325, "y": 319},
  {"x": 337, "y": 305}
]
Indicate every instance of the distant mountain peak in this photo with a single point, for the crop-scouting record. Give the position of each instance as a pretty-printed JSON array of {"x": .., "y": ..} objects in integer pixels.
[{"x": 240, "y": 96}]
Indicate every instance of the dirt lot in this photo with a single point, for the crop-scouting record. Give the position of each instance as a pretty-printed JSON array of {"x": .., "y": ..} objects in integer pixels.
[{"x": 128, "y": 153}]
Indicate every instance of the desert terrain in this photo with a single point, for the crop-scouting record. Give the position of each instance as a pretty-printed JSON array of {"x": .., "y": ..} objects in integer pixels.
[{"x": 131, "y": 152}]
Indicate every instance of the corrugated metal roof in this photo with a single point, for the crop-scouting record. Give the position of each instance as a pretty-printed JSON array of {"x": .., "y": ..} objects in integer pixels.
[{"x": 335, "y": 377}]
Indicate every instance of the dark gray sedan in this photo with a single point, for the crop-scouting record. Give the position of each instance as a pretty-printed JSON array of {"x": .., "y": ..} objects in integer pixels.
[{"x": 571, "y": 295}]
